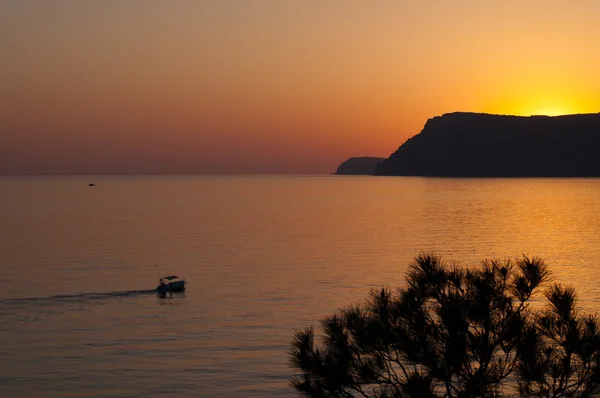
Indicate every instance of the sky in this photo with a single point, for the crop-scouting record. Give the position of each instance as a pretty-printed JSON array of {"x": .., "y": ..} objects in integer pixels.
[{"x": 273, "y": 86}]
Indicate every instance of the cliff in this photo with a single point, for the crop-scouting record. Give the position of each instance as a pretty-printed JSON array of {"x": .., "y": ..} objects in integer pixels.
[
  {"x": 360, "y": 165},
  {"x": 483, "y": 145}
]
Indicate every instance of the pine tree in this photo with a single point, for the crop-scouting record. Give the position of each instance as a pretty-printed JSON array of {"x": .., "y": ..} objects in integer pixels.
[{"x": 455, "y": 332}]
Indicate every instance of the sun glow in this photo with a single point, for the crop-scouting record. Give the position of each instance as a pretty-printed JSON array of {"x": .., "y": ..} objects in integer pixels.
[
  {"x": 530, "y": 100},
  {"x": 542, "y": 96},
  {"x": 549, "y": 108},
  {"x": 551, "y": 112}
]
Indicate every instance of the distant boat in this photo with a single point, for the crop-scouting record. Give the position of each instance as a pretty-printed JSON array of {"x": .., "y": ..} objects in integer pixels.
[
  {"x": 170, "y": 284},
  {"x": 92, "y": 185}
]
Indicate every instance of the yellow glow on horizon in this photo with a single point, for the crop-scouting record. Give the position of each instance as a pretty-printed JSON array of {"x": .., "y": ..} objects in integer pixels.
[
  {"x": 547, "y": 91},
  {"x": 551, "y": 112},
  {"x": 552, "y": 107},
  {"x": 528, "y": 104}
]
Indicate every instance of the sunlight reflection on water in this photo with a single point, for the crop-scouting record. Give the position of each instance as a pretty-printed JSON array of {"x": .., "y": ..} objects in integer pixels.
[{"x": 263, "y": 255}]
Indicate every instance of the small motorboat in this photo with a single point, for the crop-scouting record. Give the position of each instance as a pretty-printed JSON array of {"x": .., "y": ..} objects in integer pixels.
[{"x": 170, "y": 284}]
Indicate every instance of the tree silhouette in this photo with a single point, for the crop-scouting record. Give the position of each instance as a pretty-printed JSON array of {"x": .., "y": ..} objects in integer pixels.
[{"x": 455, "y": 332}]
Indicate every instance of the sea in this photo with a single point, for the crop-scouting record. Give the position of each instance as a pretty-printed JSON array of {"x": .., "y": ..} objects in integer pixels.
[{"x": 263, "y": 256}]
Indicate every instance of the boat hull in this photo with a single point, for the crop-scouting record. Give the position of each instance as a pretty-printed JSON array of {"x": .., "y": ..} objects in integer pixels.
[{"x": 171, "y": 287}]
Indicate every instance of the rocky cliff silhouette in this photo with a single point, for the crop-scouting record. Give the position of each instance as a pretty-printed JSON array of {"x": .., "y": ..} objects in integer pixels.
[
  {"x": 483, "y": 145},
  {"x": 359, "y": 165}
]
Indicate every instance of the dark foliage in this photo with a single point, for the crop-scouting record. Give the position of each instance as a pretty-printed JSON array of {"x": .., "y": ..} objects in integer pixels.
[{"x": 454, "y": 332}]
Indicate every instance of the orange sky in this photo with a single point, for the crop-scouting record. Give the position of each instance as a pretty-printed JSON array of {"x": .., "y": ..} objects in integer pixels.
[{"x": 273, "y": 86}]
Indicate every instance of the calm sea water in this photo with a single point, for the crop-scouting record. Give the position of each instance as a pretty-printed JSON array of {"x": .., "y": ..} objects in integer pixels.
[{"x": 262, "y": 255}]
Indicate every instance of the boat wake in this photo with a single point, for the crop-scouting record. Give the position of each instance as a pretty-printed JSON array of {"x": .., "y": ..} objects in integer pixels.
[{"x": 82, "y": 296}]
